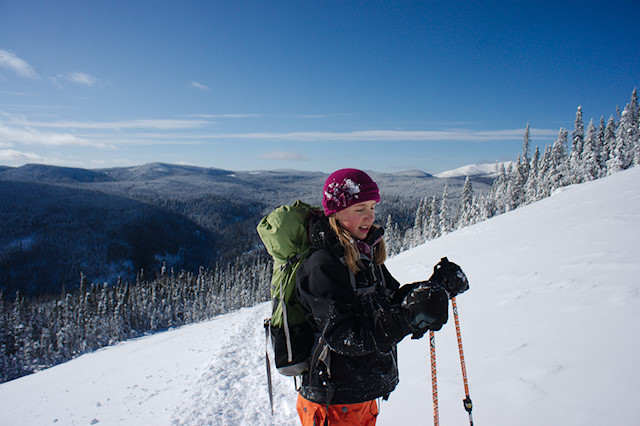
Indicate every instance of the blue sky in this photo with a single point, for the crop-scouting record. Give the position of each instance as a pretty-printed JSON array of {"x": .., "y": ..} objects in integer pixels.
[{"x": 309, "y": 85}]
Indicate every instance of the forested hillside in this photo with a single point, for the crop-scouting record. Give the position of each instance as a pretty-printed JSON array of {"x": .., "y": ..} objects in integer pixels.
[
  {"x": 57, "y": 222},
  {"x": 50, "y": 234}
]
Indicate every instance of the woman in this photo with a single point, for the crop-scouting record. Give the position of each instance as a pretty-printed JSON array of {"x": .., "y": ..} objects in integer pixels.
[{"x": 357, "y": 309}]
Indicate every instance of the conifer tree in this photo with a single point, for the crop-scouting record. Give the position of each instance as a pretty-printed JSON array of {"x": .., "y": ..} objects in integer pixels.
[
  {"x": 499, "y": 190},
  {"x": 577, "y": 146},
  {"x": 418, "y": 224},
  {"x": 610, "y": 143},
  {"x": 558, "y": 162},
  {"x": 433, "y": 219},
  {"x": 444, "y": 223},
  {"x": 635, "y": 120},
  {"x": 634, "y": 106},
  {"x": 591, "y": 154},
  {"x": 508, "y": 189},
  {"x": 518, "y": 180},
  {"x": 626, "y": 137},
  {"x": 603, "y": 155},
  {"x": 392, "y": 237},
  {"x": 466, "y": 216},
  {"x": 544, "y": 174},
  {"x": 531, "y": 186},
  {"x": 7, "y": 368},
  {"x": 427, "y": 214},
  {"x": 525, "y": 156}
]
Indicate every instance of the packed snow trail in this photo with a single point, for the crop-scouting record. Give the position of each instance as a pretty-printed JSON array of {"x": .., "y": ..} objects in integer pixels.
[
  {"x": 232, "y": 388},
  {"x": 548, "y": 327}
]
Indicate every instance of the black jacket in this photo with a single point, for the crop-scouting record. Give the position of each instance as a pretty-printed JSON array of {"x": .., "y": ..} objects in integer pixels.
[{"x": 358, "y": 332}]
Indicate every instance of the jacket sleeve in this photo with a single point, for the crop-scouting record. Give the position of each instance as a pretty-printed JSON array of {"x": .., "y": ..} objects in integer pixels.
[{"x": 325, "y": 289}]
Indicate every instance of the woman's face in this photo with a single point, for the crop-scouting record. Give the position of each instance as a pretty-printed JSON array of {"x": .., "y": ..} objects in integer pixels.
[{"x": 358, "y": 218}]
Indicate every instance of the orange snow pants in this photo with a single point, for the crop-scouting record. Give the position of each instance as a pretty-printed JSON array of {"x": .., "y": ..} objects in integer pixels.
[{"x": 360, "y": 414}]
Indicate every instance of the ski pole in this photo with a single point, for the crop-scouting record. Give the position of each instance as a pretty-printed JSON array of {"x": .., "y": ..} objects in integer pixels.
[
  {"x": 434, "y": 380},
  {"x": 267, "y": 325},
  {"x": 468, "y": 405}
]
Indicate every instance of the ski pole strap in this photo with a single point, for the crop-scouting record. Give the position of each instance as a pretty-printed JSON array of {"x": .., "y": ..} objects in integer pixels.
[
  {"x": 434, "y": 379},
  {"x": 468, "y": 405}
]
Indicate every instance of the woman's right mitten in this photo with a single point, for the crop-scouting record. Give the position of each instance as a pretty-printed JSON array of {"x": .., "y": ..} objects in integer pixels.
[{"x": 428, "y": 309}]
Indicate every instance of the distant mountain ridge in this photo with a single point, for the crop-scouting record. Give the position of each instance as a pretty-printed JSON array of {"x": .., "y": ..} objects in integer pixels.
[
  {"x": 153, "y": 181},
  {"x": 158, "y": 212},
  {"x": 55, "y": 174}
]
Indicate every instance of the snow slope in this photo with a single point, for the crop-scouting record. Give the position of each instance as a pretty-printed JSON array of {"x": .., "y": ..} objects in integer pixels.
[{"x": 548, "y": 326}]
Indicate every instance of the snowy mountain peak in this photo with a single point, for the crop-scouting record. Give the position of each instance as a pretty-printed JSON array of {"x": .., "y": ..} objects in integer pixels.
[{"x": 488, "y": 170}]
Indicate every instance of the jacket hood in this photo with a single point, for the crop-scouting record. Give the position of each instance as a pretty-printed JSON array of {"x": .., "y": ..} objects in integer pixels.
[{"x": 321, "y": 236}]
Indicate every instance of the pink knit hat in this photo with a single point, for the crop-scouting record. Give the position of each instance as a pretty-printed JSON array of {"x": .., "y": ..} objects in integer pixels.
[{"x": 346, "y": 187}]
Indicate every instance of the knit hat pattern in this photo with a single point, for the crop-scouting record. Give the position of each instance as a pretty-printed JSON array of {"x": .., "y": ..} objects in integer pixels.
[{"x": 346, "y": 187}]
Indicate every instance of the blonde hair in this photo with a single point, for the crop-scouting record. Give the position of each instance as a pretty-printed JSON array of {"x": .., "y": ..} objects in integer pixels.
[{"x": 351, "y": 252}]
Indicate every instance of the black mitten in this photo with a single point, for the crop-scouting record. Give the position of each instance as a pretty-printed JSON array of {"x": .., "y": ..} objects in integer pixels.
[
  {"x": 450, "y": 277},
  {"x": 428, "y": 309}
]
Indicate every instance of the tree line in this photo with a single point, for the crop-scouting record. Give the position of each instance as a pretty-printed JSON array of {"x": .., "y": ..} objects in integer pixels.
[
  {"x": 39, "y": 333},
  {"x": 597, "y": 151}
]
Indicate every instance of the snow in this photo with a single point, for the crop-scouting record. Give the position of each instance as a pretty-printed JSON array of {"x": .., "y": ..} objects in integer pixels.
[
  {"x": 548, "y": 327},
  {"x": 474, "y": 170}
]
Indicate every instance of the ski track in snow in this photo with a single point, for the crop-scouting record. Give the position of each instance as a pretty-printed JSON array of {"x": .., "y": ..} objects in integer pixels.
[{"x": 232, "y": 388}]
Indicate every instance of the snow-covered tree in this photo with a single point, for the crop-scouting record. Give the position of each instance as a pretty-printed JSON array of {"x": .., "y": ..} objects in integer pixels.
[
  {"x": 432, "y": 228},
  {"x": 591, "y": 154},
  {"x": 610, "y": 144},
  {"x": 444, "y": 221},
  {"x": 518, "y": 180},
  {"x": 467, "y": 208},
  {"x": 392, "y": 237},
  {"x": 635, "y": 119},
  {"x": 626, "y": 139},
  {"x": 558, "y": 167},
  {"x": 544, "y": 174},
  {"x": 531, "y": 186},
  {"x": 634, "y": 106},
  {"x": 525, "y": 156},
  {"x": 576, "y": 171},
  {"x": 419, "y": 224},
  {"x": 602, "y": 157}
]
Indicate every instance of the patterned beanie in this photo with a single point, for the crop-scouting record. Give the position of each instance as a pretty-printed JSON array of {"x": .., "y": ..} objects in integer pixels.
[{"x": 346, "y": 187}]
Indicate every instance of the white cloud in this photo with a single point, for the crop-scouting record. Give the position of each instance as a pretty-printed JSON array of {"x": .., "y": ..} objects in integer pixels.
[
  {"x": 36, "y": 137},
  {"x": 278, "y": 116},
  {"x": 159, "y": 124},
  {"x": 390, "y": 135},
  {"x": 13, "y": 156},
  {"x": 21, "y": 67},
  {"x": 81, "y": 78},
  {"x": 284, "y": 155},
  {"x": 229, "y": 115},
  {"x": 200, "y": 86}
]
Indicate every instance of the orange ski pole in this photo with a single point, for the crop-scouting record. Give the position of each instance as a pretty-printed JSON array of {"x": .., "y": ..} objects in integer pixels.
[
  {"x": 468, "y": 405},
  {"x": 434, "y": 380}
]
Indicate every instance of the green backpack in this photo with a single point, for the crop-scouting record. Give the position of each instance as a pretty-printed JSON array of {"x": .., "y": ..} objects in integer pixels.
[{"x": 284, "y": 234}]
